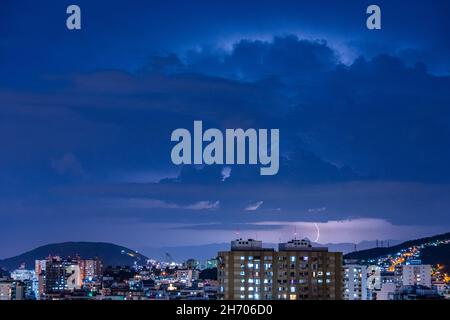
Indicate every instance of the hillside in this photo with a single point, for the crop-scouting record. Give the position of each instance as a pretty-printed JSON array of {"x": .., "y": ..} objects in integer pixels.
[
  {"x": 435, "y": 255},
  {"x": 109, "y": 253},
  {"x": 430, "y": 254}
]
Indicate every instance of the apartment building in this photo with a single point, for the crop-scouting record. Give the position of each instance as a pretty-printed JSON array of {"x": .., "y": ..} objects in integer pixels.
[{"x": 297, "y": 271}]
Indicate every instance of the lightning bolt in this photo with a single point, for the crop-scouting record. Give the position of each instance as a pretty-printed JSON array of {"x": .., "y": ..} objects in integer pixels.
[{"x": 318, "y": 232}]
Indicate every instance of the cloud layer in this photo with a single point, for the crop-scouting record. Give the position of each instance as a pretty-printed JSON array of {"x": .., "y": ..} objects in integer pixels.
[{"x": 85, "y": 133}]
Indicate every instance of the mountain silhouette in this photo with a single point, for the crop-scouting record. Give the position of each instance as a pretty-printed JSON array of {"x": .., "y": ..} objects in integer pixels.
[{"x": 110, "y": 254}]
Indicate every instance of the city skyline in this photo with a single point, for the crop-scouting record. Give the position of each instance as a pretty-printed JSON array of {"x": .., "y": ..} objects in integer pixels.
[
  {"x": 246, "y": 270},
  {"x": 86, "y": 118}
]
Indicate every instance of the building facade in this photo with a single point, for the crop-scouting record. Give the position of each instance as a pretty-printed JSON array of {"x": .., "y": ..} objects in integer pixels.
[
  {"x": 90, "y": 269},
  {"x": 417, "y": 274},
  {"x": 297, "y": 271},
  {"x": 187, "y": 276},
  {"x": 11, "y": 290},
  {"x": 355, "y": 282},
  {"x": 247, "y": 271}
]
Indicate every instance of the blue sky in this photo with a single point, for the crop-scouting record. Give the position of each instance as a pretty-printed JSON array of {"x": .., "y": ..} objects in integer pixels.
[{"x": 86, "y": 117}]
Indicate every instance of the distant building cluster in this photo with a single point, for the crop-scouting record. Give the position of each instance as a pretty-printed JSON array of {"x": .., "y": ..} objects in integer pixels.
[
  {"x": 57, "y": 278},
  {"x": 399, "y": 276},
  {"x": 248, "y": 271},
  {"x": 407, "y": 282}
]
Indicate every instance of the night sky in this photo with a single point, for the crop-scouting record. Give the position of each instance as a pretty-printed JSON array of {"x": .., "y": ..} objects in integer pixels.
[{"x": 86, "y": 118}]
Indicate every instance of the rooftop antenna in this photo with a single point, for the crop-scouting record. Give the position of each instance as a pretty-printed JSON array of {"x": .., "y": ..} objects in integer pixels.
[{"x": 295, "y": 233}]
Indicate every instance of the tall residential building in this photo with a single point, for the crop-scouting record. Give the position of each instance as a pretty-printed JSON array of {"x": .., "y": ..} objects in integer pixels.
[
  {"x": 297, "y": 271},
  {"x": 355, "y": 282},
  {"x": 55, "y": 275},
  {"x": 91, "y": 270},
  {"x": 11, "y": 290},
  {"x": 419, "y": 274},
  {"x": 398, "y": 275},
  {"x": 39, "y": 269},
  {"x": 39, "y": 266},
  {"x": 305, "y": 272},
  {"x": 247, "y": 271},
  {"x": 5, "y": 290}
]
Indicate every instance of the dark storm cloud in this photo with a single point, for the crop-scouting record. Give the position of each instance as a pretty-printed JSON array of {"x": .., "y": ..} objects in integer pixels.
[
  {"x": 255, "y": 59},
  {"x": 377, "y": 117},
  {"x": 383, "y": 118},
  {"x": 96, "y": 115},
  {"x": 391, "y": 113}
]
